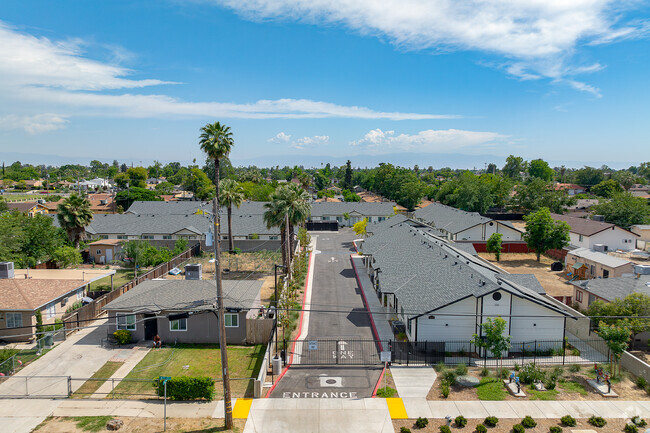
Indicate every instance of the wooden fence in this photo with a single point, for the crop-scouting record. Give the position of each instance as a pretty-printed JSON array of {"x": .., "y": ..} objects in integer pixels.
[{"x": 81, "y": 316}]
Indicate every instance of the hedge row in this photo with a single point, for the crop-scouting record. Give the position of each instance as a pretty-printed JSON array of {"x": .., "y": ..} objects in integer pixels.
[{"x": 187, "y": 388}]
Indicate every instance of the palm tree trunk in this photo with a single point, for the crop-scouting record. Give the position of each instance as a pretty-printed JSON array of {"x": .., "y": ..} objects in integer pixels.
[
  {"x": 283, "y": 248},
  {"x": 231, "y": 242},
  {"x": 292, "y": 245}
]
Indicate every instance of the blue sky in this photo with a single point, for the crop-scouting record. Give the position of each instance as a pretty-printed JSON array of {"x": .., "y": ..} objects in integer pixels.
[{"x": 319, "y": 80}]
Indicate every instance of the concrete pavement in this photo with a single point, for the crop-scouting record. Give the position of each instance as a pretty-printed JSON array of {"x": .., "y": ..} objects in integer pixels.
[
  {"x": 413, "y": 381},
  {"x": 132, "y": 359}
]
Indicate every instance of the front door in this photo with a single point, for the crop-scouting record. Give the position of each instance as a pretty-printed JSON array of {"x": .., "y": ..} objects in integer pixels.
[
  {"x": 150, "y": 326},
  {"x": 109, "y": 255}
]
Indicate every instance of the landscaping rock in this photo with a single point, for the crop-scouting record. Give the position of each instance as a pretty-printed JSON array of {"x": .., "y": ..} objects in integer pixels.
[
  {"x": 468, "y": 381},
  {"x": 114, "y": 424}
]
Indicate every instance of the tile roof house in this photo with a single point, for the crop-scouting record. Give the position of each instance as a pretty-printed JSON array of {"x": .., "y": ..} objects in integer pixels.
[
  {"x": 570, "y": 188},
  {"x": 145, "y": 310},
  {"x": 585, "y": 263},
  {"x": 588, "y": 291},
  {"x": 100, "y": 203},
  {"x": 459, "y": 225},
  {"x": 588, "y": 233},
  {"x": 443, "y": 294}
]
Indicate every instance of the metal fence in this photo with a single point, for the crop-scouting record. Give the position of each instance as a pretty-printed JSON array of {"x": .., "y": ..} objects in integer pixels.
[
  {"x": 345, "y": 351},
  {"x": 22, "y": 357}
]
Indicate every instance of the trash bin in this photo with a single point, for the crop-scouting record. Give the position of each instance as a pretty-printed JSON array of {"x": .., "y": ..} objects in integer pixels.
[
  {"x": 48, "y": 339},
  {"x": 276, "y": 362}
]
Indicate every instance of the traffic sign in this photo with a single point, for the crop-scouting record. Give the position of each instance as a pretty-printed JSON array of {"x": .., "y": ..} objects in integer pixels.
[{"x": 385, "y": 356}]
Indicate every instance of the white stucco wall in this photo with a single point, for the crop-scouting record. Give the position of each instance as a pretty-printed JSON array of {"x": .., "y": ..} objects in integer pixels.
[
  {"x": 449, "y": 328},
  {"x": 616, "y": 239}
]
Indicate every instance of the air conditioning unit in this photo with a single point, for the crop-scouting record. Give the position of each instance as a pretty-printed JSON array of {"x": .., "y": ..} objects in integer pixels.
[
  {"x": 193, "y": 271},
  {"x": 599, "y": 218},
  {"x": 642, "y": 269},
  {"x": 6, "y": 270},
  {"x": 601, "y": 248}
]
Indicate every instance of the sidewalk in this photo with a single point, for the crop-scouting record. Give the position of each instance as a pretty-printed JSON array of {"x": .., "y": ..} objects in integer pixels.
[
  {"x": 132, "y": 358},
  {"x": 413, "y": 381}
]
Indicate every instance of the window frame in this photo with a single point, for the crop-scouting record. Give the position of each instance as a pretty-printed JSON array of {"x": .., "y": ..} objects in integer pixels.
[
  {"x": 579, "y": 296},
  {"x": 126, "y": 324},
  {"x": 50, "y": 310},
  {"x": 13, "y": 314},
  {"x": 178, "y": 322},
  {"x": 231, "y": 315}
]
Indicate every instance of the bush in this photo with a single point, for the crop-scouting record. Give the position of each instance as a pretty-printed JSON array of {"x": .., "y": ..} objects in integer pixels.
[
  {"x": 518, "y": 428},
  {"x": 122, "y": 336},
  {"x": 421, "y": 422},
  {"x": 550, "y": 383},
  {"x": 449, "y": 376},
  {"x": 445, "y": 429},
  {"x": 555, "y": 429},
  {"x": 460, "y": 421},
  {"x": 461, "y": 369},
  {"x": 187, "y": 388},
  {"x": 528, "y": 422},
  {"x": 630, "y": 428},
  {"x": 386, "y": 392},
  {"x": 491, "y": 421},
  {"x": 440, "y": 367},
  {"x": 557, "y": 372},
  {"x": 481, "y": 429},
  {"x": 530, "y": 373},
  {"x": 597, "y": 421},
  {"x": 574, "y": 368},
  {"x": 641, "y": 382},
  {"x": 444, "y": 388},
  {"x": 404, "y": 430},
  {"x": 568, "y": 420},
  {"x": 485, "y": 372},
  {"x": 639, "y": 422}
]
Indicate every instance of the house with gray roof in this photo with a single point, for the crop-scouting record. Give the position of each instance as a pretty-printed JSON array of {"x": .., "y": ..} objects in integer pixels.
[
  {"x": 183, "y": 311},
  {"x": 192, "y": 207},
  {"x": 589, "y": 233},
  {"x": 459, "y": 225},
  {"x": 443, "y": 293},
  {"x": 585, "y": 263},
  {"x": 354, "y": 211}
]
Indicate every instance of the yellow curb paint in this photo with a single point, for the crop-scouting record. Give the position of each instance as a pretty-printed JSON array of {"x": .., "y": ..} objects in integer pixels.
[
  {"x": 396, "y": 408},
  {"x": 242, "y": 407}
]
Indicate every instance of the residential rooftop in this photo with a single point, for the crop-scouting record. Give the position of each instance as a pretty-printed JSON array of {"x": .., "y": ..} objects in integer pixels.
[
  {"x": 616, "y": 288},
  {"x": 451, "y": 219},
  {"x": 583, "y": 226},
  {"x": 598, "y": 257}
]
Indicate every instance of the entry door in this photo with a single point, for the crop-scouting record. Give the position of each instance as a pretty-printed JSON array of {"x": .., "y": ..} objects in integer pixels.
[
  {"x": 109, "y": 255},
  {"x": 150, "y": 326}
]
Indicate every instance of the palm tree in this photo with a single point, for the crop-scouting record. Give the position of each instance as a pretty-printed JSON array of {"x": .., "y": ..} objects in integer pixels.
[
  {"x": 216, "y": 141},
  {"x": 74, "y": 215},
  {"x": 231, "y": 194}
]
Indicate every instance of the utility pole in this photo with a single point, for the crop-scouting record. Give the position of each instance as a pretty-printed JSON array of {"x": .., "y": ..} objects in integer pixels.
[{"x": 220, "y": 315}]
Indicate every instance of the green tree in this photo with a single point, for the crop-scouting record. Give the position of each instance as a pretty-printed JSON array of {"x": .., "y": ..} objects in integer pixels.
[
  {"x": 493, "y": 245},
  {"x": 321, "y": 181},
  {"x": 538, "y": 194},
  {"x": 588, "y": 176},
  {"x": 624, "y": 210},
  {"x": 180, "y": 246},
  {"x": 74, "y": 215},
  {"x": 494, "y": 337},
  {"x": 137, "y": 176},
  {"x": 539, "y": 168},
  {"x": 135, "y": 251},
  {"x": 607, "y": 188},
  {"x": 126, "y": 197},
  {"x": 360, "y": 227},
  {"x": 164, "y": 188},
  {"x": 515, "y": 165},
  {"x": 625, "y": 178},
  {"x": 66, "y": 256},
  {"x": 3, "y": 206},
  {"x": 411, "y": 194},
  {"x": 350, "y": 196},
  {"x": 230, "y": 194},
  {"x": 543, "y": 233},
  {"x": 347, "y": 181},
  {"x": 616, "y": 339},
  {"x": 630, "y": 310},
  {"x": 200, "y": 184}
]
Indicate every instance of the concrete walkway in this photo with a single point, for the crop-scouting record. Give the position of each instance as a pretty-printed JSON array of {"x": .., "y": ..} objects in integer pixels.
[
  {"x": 134, "y": 356},
  {"x": 413, "y": 382}
]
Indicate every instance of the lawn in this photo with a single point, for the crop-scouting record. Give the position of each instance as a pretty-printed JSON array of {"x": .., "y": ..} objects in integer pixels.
[
  {"x": 549, "y": 394},
  {"x": 572, "y": 387},
  {"x": 90, "y": 386},
  {"x": 491, "y": 389},
  {"x": 121, "y": 277},
  {"x": 195, "y": 360}
]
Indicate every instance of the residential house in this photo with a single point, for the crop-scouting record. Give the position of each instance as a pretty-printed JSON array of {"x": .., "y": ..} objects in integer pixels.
[
  {"x": 96, "y": 183},
  {"x": 444, "y": 294},
  {"x": 104, "y": 251},
  {"x": 23, "y": 292},
  {"x": 29, "y": 208},
  {"x": 570, "y": 188},
  {"x": 183, "y": 311},
  {"x": 354, "y": 211},
  {"x": 459, "y": 225},
  {"x": 639, "y": 190},
  {"x": 589, "y": 233},
  {"x": 584, "y": 263},
  {"x": 607, "y": 290},
  {"x": 100, "y": 203},
  {"x": 582, "y": 208},
  {"x": 643, "y": 231}
]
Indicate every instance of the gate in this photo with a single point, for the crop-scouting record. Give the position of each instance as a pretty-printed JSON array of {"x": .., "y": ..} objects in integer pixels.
[
  {"x": 417, "y": 353},
  {"x": 330, "y": 226},
  {"x": 341, "y": 351},
  {"x": 35, "y": 387}
]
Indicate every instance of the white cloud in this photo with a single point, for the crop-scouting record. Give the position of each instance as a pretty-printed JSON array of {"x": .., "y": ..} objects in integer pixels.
[
  {"x": 428, "y": 141},
  {"x": 33, "y": 124},
  {"x": 310, "y": 142},
  {"x": 56, "y": 77},
  {"x": 281, "y": 137},
  {"x": 536, "y": 37}
]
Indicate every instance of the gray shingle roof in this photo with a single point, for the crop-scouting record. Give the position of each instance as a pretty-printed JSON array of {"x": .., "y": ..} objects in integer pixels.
[
  {"x": 449, "y": 218},
  {"x": 374, "y": 228},
  {"x": 427, "y": 273},
  {"x": 526, "y": 280},
  {"x": 171, "y": 295},
  {"x": 363, "y": 208},
  {"x": 598, "y": 257},
  {"x": 190, "y": 207},
  {"x": 615, "y": 288}
]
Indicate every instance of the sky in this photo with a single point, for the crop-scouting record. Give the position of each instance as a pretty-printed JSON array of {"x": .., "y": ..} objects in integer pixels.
[{"x": 427, "y": 82}]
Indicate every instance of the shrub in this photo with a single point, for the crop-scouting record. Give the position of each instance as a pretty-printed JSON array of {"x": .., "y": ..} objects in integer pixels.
[
  {"x": 568, "y": 420},
  {"x": 461, "y": 369},
  {"x": 460, "y": 421},
  {"x": 386, "y": 392},
  {"x": 597, "y": 421},
  {"x": 555, "y": 429},
  {"x": 639, "y": 422},
  {"x": 517, "y": 367},
  {"x": 528, "y": 422},
  {"x": 481, "y": 429},
  {"x": 122, "y": 336},
  {"x": 575, "y": 352},
  {"x": 630, "y": 428},
  {"x": 518, "y": 428},
  {"x": 503, "y": 373},
  {"x": 530, "y": 373},
  {"x": 404, "y": 430},
  {"x": 641, "y": 382},
  {"x": 485, "y": 372},
  {"x": 421, "y": 422},
  {"x": 557, "y": 372},
  {"x": 445, "y": 429},
  {"x": 449, "y": 376},
  {"x": 574, "y": 368},
  {"x": 444, "y": 388},
  {"x": 187, "y": 388},
  {"x": 440, "y": 367},
  {"x": 491, "y": 421},
  {"x": 550, "y": 382}
]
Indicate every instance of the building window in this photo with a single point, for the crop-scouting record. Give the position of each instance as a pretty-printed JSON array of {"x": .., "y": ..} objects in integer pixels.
[
  {"x": 326, "y": 218},
  {"x": 122, "y": 237},
  {"x": 579, "y": 295},
  {"x": 273, "y": 238},
  {"x": 149, "y": 237},
  {"x": 178, "y": 325},
  {"x": 98, "y": 252},
  {"x": 167, "y": 237},
  {"x": 51, "y": 311},
  {"x": 126, "y": 321},
  {"x": 380, "y": 219},
  {"x": 80, "y": 293},
  {"x": 580, "y": 238},
  {"x": 14, "y": 320},
  {"x": 103, "y": 236},
  {"x": 232, "y": 320}
]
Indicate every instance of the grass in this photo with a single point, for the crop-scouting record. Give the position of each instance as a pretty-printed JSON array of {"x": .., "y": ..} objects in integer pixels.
[
  {"x": 386, "y": 392},
  {"x": 550, "y": 394},
  {"x": 121, "y": 277},
  {"x": 92, "y": 423},
  {"x": 490, "y": 389},
  {"x": 244, "y": 362},
  {"x": 90, "y": 386},
  {"x": 573, "y": 387},
  {"x": 25, "y": 356}
]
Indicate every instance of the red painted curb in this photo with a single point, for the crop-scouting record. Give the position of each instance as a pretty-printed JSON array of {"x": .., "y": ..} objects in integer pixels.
[
  {"x": 365, "y": 301},
  {"x": 293, "y": 348},
  {"x": 381, "y": 376}
]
